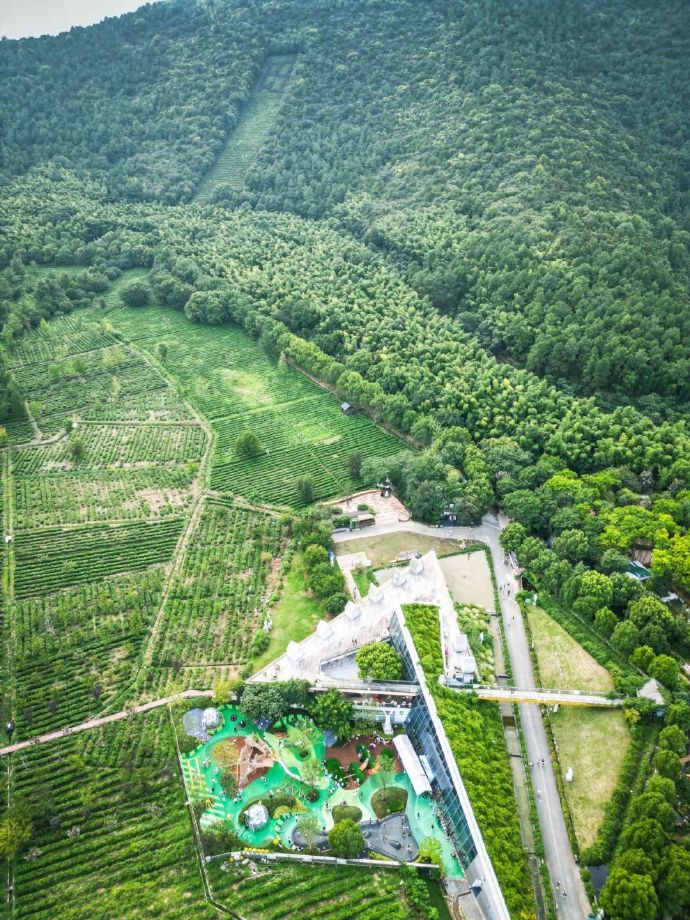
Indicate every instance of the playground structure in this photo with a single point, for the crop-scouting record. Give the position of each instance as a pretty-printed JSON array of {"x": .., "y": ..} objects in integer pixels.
[
  {"x": 255, "y": 756},
  {"x": 284, "y": 777}
]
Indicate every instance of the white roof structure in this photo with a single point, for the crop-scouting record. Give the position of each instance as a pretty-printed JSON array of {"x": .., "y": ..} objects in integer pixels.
[
  {"x": 324, "y": 629},
  {"x": 369, "y": 621},
  {"x": 295, "y": 652},
  {"x": 651, "y": 691},
  {"x": 416, "y": 565},
  {"x": 256, "y": 816},
  {"x": 211, "y": 717},
  {"x": 352, "y": 611},
  {"x": 375, "y": 595},
  {"x": 412, "y": 764},
  {"x": 400, "y": 578}
]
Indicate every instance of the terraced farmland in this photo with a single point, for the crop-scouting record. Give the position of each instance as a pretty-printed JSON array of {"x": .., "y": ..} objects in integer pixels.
[
  {"x": 218, "y": 602},
  {"x": 112, "y": 831},
  {"x": 339, "y": 893},
  {"x": 228, "y": 377},
  {"x": 47, "y": 560},
  {"x": 76, "y": 650},
  {"x": 249, "y": 135}
]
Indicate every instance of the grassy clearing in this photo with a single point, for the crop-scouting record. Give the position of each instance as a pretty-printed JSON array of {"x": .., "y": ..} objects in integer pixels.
[
  {"x": 229, "y": 378},
  {"x": 249, "y": 135},
  {"x": 591, "y": 741},
  {"x": 294, "y": 616},
  {"x": 563, "y": 663},
  {"x": 385, "y": 549},
  {"x": 594, "y": 743}
]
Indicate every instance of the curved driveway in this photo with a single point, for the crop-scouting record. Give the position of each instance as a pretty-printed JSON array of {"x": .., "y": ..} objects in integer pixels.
[{"x": 559, "y": 856}]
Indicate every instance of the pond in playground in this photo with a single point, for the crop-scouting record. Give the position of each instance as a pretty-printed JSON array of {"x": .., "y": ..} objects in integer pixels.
[{"x": 285, "y": 770}]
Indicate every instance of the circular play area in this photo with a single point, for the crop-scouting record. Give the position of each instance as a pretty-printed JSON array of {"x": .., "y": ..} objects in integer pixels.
[{"x": 265, "y": 782}]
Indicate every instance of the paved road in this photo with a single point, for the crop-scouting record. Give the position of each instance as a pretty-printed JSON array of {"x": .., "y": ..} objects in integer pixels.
[
  {"x": 103, "y": 720},
  {"x": 559, "y": 855}
]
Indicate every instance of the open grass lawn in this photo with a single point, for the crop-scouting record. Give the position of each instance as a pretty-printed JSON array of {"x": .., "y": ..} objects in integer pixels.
[
  {"x": 594, "y": 743},
  {"x": 385, "y": 549},
  {"x": 389, "y": 801},
  {"x": 563, "y": 663},
  {"x": 591, "y": 741},
  {"x": 294, "y": 616}
]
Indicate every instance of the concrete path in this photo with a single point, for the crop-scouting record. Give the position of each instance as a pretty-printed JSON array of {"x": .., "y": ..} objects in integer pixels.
[
  {"x": 559, "y": 855},
  {"x": 103, "y": 720},
  {"x": 542, "y": 697}
]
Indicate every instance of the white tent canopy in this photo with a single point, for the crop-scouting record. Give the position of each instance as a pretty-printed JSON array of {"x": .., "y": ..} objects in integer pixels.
[
  {"x": 352, "y": 611},
  {"x": 412, "y": 764},
  {"x": 324, "y": 629},
  {"x": 295, "y": 652}
]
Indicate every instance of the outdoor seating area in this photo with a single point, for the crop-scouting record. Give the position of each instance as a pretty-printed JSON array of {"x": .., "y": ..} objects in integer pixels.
[{"x": 299, "y": 776}]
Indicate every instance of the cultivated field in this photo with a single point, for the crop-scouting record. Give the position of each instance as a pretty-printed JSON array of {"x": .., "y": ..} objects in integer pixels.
[
  {"x": 230, "y": 380},
  {"x": 96, "y": 508},
  {"x": 113, "y": 837},
  {"x": 219, "y": 599},
  {"x": 249, "y": 135}
]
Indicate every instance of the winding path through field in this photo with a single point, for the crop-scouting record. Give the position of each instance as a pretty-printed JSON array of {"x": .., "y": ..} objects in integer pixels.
[{"x": 102, "y": 720}]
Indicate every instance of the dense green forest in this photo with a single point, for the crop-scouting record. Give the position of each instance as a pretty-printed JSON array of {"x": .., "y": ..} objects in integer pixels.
[
  {"x": 468, "y": 218},
  {"x": 525, "y": 169}
]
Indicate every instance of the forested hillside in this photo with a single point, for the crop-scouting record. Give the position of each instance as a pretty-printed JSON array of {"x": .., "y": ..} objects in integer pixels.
[
  {"x": 525, "y": 167},
  {"x": 470, "y": 219}
]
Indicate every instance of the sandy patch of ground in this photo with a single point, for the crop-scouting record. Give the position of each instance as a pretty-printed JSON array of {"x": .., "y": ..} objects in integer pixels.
[
  {"x": 563, "y": 663},
  {"x": 469, "y": 579},
  {"x": 387, "y": 510},
  {"x": 387, "y": 548}
]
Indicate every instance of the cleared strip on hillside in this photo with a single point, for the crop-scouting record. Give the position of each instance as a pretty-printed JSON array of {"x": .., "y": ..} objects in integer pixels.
[{"x": 245, "y": 142}]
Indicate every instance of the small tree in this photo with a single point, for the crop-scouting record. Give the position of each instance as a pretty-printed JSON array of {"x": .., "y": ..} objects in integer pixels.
[
  {"x": 332, "y": 711},
  {"x": 430, "y": 852},
  {"x": 386, "y": 761},
  {"x": 228, "y": 782},
  {"x": 666, "y": 670},
  {"x": 247, "y": 445},
  {"x": 223, "y": 692},
  {"x": 305, "y": 490},
  {"x": 76, "y": 449},
  {"x": 162, "y": 351},
  {"x": 354, "y": 465},
  {"x": 16, "y": 827},
  {"x": 135, "y": 293},
  {"x": 311, "y": 772},
  {"x": 379, "y": 661},
  {"x": 346, "y": 840},
  {"x": 308, "y": 825}
]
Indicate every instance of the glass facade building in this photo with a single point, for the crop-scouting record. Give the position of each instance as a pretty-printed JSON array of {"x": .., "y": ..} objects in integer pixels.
[{"x": 422, "y": 732}]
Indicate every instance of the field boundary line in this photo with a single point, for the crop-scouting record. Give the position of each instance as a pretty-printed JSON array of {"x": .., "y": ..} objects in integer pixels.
[{"x": 90, "y": 724}]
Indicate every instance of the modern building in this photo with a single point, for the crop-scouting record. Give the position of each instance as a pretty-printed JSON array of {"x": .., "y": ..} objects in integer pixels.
[{"x": 326, "y": 659}]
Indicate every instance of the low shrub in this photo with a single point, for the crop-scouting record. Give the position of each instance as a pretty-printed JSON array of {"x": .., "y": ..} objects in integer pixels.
[
  {"x": 347, "y": 812},
  {"x": 389, "y": 801}
]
